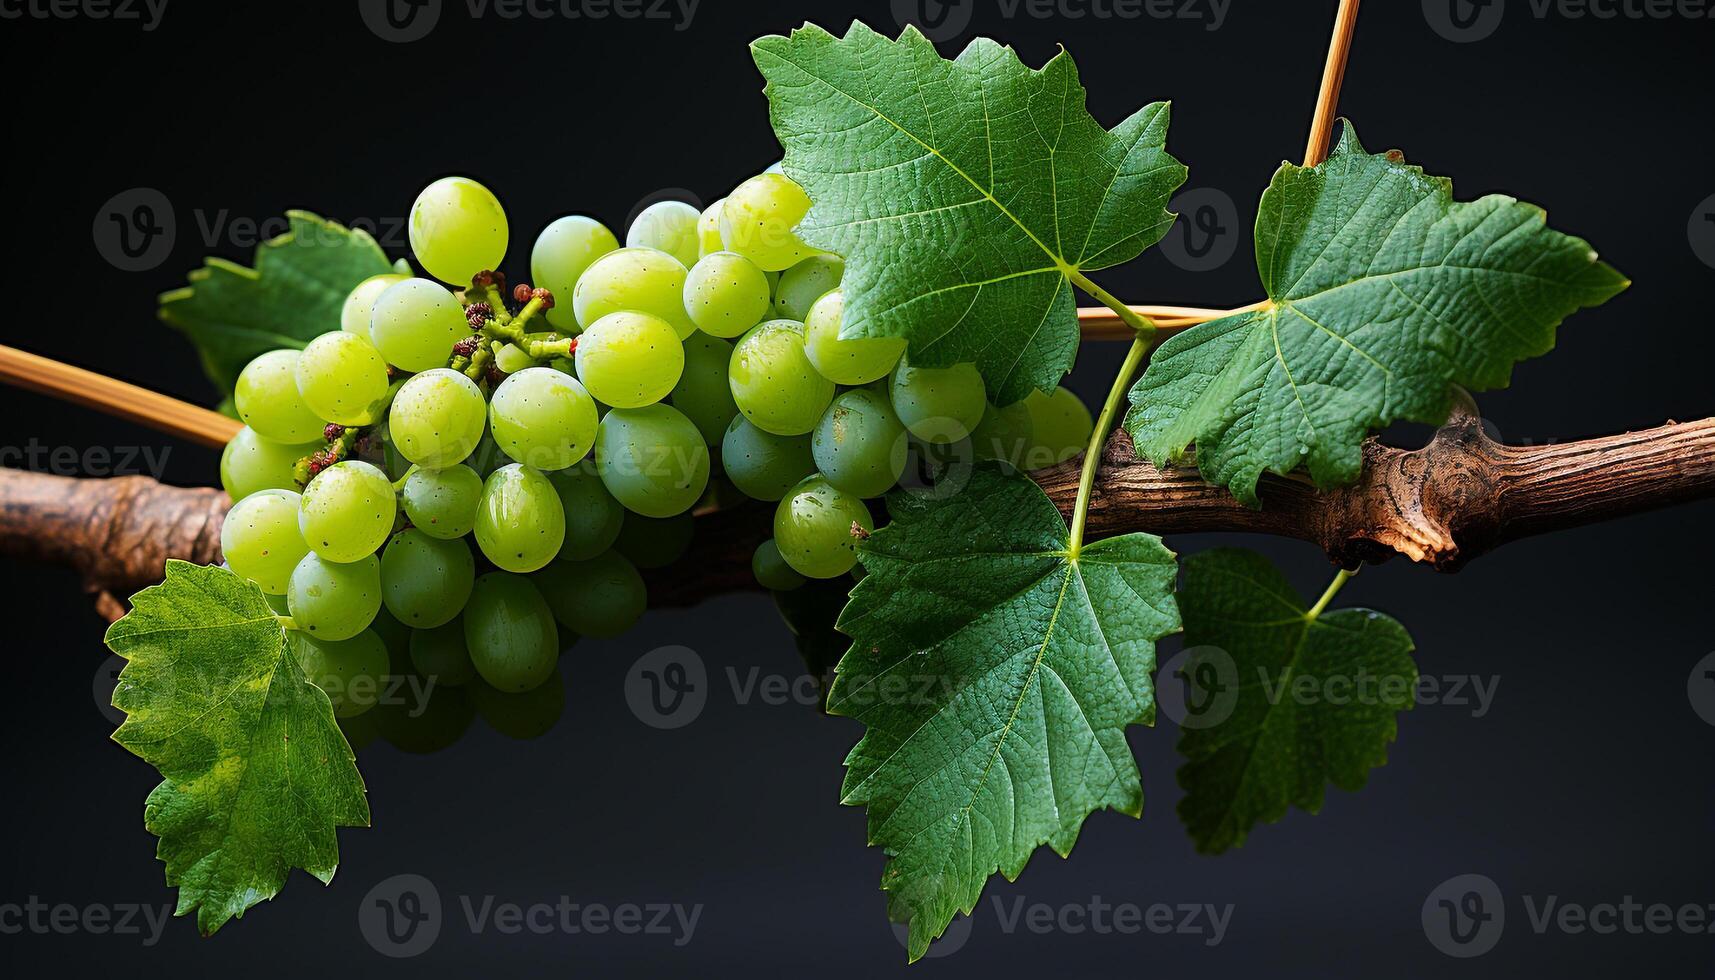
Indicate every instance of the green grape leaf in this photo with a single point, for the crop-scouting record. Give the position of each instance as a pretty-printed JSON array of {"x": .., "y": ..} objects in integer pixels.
[
  {"x": 256, "y": 775},
  {"x": 1289, "y": 701},
  {"x": 1384, "y": 293},
  {"x": 294, "y": 294},
  {"x": 995, "y": 674},
  {"x": 965, "y": 194}
]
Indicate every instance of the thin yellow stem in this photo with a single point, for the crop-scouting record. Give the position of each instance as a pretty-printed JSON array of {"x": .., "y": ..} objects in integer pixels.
[
  {"x": 1093, "y": 456},
  {"x": 1334, "y": 587}
]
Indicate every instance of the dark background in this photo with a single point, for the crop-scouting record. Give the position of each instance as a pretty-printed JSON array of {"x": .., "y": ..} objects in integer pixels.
[{"x": 1587, "y": 779}]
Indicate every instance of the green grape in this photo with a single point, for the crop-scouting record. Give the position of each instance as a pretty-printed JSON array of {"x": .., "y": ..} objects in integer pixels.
[
  {"x": 543, "y": 418},
  {"x": 434, "y": 725},
  {"x": 425, "y": 581},
  {"x": 458, "y": 229},
  {"x": 333, "y": 601},
  {"x": 443, "y": 503},
  {"x": 726, "y": 294},
  {"x": 655, "y": 542},
  {"x": 347, "y": 511},
  {"x": 351, "y": 672},
  {"x": 709, "y": 230},
  {"x": 602, "y": 597},
  {"x": 652, "y": 459},
  {"x": 771, "y": 570},
  {"x": 593, "y": 517},
  {"x": 275, "y": 602},
  {"x": 396, "y": 635},
  {"x": 520, "y": 525},
  {"x": 509, "y": 630},
  {"x": 813, "y": 528},
  {"x": 343, "y": 379},
  {"x": 524, "y": 716},
  {"x": 360, "y": 303},
  {"x": 563, "y": 251},
  {"x": 251, "y": 462},
  {"x": 849, "y": 362},
  {"x": 436, "y": 418},
  {"x": 1005, "y": 434},
  {"x": 773, "y": 381},
  {"x": 757, "y": 222},
  {"x": 667, "y": 226},
  {"x": 628, "y": 360},
  {"x": 703, "y": 393},
  {"x": 762, "y": 465},
  {"x": 805, "y": 283},
  {"x": 511, "y": 359},
  {"x": 440, "y": 654},
  {"x": 260, "y": 539},
  {"x": 268, "y": 400},
  {"x": 638, "y": 280},
  {"x": 415, "y": 324},
  {"x": 939, "y": 405},
  {"x": 1061, "y": 425},
  {"x": 860, "y": 444}
]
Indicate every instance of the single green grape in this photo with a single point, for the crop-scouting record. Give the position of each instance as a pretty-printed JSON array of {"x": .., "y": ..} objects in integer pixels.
[
  {"x": 857, "y": 361},
  {"x": 726, "y": 294},
  {"x": 526, "y": 715},
  {"x": 628, "y": 360},
  {"x": 652, "y": 459},
  {"x": 763, "y": 465},
  {"x": 638, "y": 280},
  {"x": 860, "y": 445},
  {"x": 252, "y": 462},
  {"x": 351, "y": 672},
  {"x": 395, "y": 634},
  {"x": 602, "y": 597},
  {"x": 425, "y": 581},
  {"x": 655, "y": 542},
  {"x": 347, "y": 511},
  {"x": 415, "y": 324},
  {"x": 334, "y": 601},
  {"x": 543, "y": 418},
  {"x": 520, "y": 525},
  {"x": 1005, "y": 435},
  {"x": 703, "y": 393},
  {"x": 773, "y": 381},
  {"x": 709, "y": 230},
  {"x": 805, "y": 283},
  {"x": 458, "y": 229},
  {"x": 511, "y": 358},
  {"x": 343, "y": 379},
  {"x": 261, "y": 541},
  {"x": 360, "y": 303},
  {"x": 771, "y": 570},
  {"x": 593, "y": 517},
  {"x": 268, "y": 400},
  {"x": 509, "y": 631},
  {"x": 563, "y": 251},
  {"x": 441, "y": 655},
  {"x": 813, "y": 528},
  {"x": 443, "y": 503},
  {"x": 939, "y": 405},
  {"x": 758, "y": 218},
  {"x": 667, "y": 226},
  {"x": 436, "y": 418},
  {"x": 1061, "y": 427}
]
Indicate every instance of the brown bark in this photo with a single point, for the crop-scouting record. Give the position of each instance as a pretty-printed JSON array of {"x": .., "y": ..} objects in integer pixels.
[{"x": 1451, "y": 501}]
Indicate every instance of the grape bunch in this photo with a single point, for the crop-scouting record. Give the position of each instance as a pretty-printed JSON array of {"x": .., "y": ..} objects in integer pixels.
[{"x": 481, "y": 473}]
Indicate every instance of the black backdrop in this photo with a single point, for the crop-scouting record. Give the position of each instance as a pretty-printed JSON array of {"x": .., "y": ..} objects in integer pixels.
[{"x": 1586, "y": 778}]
